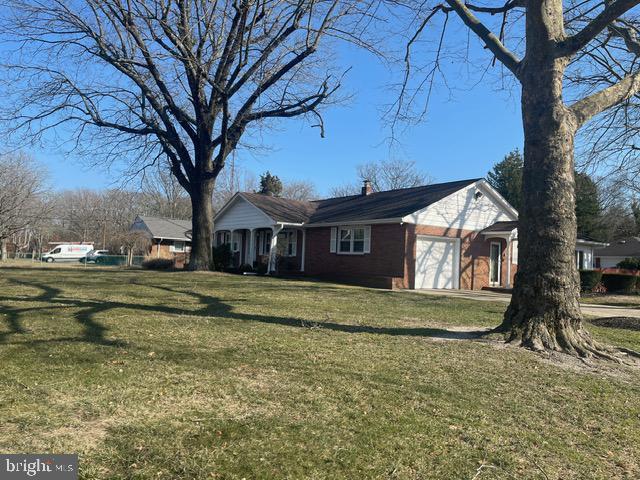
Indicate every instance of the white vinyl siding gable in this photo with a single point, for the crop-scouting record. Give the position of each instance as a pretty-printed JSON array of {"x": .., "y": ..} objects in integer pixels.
[
  {"x": 463, "y": 210},
  {"x": 241, "y": 214}
]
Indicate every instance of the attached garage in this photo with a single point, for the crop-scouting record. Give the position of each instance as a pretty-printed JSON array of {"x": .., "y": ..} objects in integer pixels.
[{"x": 437, "y": 262}]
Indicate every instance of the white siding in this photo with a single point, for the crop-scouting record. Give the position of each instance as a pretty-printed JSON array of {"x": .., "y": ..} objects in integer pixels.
[
  {"x": 609, "y": 262},
  {"x": 463, "y": 210},
  {"x": 242, "y": 214}
]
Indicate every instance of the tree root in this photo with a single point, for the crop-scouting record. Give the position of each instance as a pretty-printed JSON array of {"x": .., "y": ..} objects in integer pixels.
[{"x": 564, "y": 335}]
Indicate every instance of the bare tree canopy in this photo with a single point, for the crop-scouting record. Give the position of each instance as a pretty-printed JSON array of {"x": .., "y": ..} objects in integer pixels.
[
  {"x": 162, "y": 195},
  {"x": 301, "y": 190},
  {"x": 561, "y": 54},
  {"x": 384, "y": 175},
  {"x": 22, "y": 186},
  {"x": 178, "y": 80}
]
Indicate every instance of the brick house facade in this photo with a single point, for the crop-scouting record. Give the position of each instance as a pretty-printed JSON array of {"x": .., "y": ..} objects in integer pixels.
[{"x": 450, "y": 235}]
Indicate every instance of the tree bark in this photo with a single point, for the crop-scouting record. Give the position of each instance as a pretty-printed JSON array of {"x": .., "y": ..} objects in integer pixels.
[
  {"x": 3, "y": 250},
  {"x": 544, "y": 313},
  {"x": 202, "y": 225}
]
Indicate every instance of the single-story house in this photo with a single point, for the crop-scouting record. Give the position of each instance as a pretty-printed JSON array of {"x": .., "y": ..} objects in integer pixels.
[
  {"x": 449, "y": 235},
  {"x": 170, "y": 238},
  {"x": 615, "y": 252}
]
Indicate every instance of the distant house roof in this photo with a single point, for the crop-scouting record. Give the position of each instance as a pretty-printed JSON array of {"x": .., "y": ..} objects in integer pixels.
[
  {"x": 628, "y": 247},
  {"x": 167, "y": 228},
  {"x": 380, "y": 205}
]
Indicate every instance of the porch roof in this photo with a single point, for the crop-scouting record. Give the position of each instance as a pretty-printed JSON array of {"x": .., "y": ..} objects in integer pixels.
[{"x": 501, "y": 228}]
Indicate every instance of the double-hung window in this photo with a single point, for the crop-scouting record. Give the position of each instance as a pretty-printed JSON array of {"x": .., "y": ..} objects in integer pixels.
[
  {"x": 353, "y": 239},
  {"x": 177, "y": 247},
  {"x": 224, "y": 238},
  {"x": 287, "y": 243},
  {"x": 264, "y": 242}
]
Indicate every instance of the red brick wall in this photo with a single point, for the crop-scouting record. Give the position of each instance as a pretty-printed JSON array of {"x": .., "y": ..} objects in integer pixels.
[
  {"x": 392, "y": 258},
  {"x": 180, "y": 258},
  {"x": 386, "y": 258},
  {"x": 474, "y": 256}
]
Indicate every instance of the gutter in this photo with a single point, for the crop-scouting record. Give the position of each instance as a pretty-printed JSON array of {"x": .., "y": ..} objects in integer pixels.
[{"x": 399, "y": 220}]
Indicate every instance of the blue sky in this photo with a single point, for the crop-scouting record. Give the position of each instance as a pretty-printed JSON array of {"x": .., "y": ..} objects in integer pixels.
[{"x": 464, "y": 133}]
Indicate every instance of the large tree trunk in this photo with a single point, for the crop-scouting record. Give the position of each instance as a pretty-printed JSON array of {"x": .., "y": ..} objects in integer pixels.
[
  {"x": 544, "y": 313},
  {"x": 3, "y": 250},
  {"x": 202, "y": 228}
]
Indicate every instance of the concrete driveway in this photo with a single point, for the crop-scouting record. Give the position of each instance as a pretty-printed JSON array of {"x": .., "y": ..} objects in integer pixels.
[{"x": 589, "y": 309}]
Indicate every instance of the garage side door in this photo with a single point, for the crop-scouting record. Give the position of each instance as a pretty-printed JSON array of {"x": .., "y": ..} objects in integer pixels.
[{"x": 436, "y": 263}]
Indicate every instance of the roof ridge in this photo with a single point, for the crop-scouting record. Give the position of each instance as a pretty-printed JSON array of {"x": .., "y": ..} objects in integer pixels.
[{"x": 356, "y": 195}]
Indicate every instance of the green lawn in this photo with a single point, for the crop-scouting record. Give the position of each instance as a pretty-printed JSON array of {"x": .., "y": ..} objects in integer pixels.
[
  {"x": 632, "y": 301},
  {"x": 194, "y": 376}
]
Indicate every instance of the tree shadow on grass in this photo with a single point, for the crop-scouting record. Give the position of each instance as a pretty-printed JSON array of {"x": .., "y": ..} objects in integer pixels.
[
  {"x": 208, "y": 306},
  {"x": 93, "y": 331}
]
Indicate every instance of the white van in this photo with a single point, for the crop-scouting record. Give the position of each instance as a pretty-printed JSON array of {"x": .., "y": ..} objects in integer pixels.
[{"x": 67, "y": 252}]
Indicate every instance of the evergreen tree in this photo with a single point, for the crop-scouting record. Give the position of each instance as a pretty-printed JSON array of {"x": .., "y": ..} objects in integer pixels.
[
  {"x": 588, "y": 209},
  {"x": 506, "y": 178},
  {"x": 270, "y": 185}
]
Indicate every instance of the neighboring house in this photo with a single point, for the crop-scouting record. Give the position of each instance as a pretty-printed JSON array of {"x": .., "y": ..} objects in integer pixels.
[
  {"x": 449, "y": 235},
  {"x": 617, "y": 251},
  {"x": 169, "y": 238}
]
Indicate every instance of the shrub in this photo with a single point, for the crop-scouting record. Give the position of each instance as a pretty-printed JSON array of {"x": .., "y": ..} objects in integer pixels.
[
  {"x": 222, "y": 257},
  {"x": 158, "y": 264},
  {"x": 630, "y": 264},
  {"x": 245, "y": 268},
  {"x": 589, "y": 279},
  {"x": 619, "y": 283},
  {"x": 261, "y": 268}
]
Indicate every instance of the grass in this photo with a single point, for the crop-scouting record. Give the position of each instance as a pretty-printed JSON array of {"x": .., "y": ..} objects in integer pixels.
[
  {"x": 193, "y": 376},
  {"x": 632, "y": 301}
]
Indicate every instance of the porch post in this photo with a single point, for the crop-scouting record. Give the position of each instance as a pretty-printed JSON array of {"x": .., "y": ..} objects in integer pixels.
[
  {"x": 507, "y": 283},
  {"x": 252, "y": 246},
  {"x": 304, "y": 241},
  {"x": 274, "y": 246}
]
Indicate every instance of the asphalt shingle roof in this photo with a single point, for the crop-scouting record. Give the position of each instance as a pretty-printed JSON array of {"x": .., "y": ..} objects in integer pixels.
[
  {"x": 628, "y": 247},
  {"x": 167, "y": 227},
  {"x": 379, "y": 205},
  {"x": 282, "y": 209},
  {"x": 501, "y": 227}
]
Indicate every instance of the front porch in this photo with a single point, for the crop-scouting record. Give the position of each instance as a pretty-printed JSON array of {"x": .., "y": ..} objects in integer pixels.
[{"x": 279, "y": 248}]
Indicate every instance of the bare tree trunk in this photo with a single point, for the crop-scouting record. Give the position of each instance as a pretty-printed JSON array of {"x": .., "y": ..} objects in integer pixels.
[
  {"x": 545, "y": 312},
  {"x": 3, "y": 249},
  {"x": 202, "y": 225}
]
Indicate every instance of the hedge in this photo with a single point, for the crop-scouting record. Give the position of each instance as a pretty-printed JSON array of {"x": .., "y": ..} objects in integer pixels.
[
  {"x": 158, "y": 264},
  {"x": 630, "y": 264},
  {"x": 589, "y": 279},
  {"x": 619, "y": 283}
]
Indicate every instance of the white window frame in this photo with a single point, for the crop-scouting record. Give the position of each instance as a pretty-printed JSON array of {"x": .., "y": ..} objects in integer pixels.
[
  {"x": 236, "y": 241},
  {"x": 174, "y": 246},
  {"x": 499, "y": 266},
  {"x": 224, "y": 238},
  {"x": 289, "y": 243},
  {"x": 351, "y": 229},
  {"x": 264, "y": 243}
]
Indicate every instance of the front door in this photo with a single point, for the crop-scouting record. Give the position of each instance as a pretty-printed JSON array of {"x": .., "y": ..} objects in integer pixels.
[{"x": 495, "y": 264}]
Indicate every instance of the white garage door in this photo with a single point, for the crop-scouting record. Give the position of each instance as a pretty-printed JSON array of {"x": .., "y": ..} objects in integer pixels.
[{"x": 436, "y": 262}]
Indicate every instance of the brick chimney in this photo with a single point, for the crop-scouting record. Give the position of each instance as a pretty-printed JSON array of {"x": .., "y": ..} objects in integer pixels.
[{"x": 366, "y": 188}]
